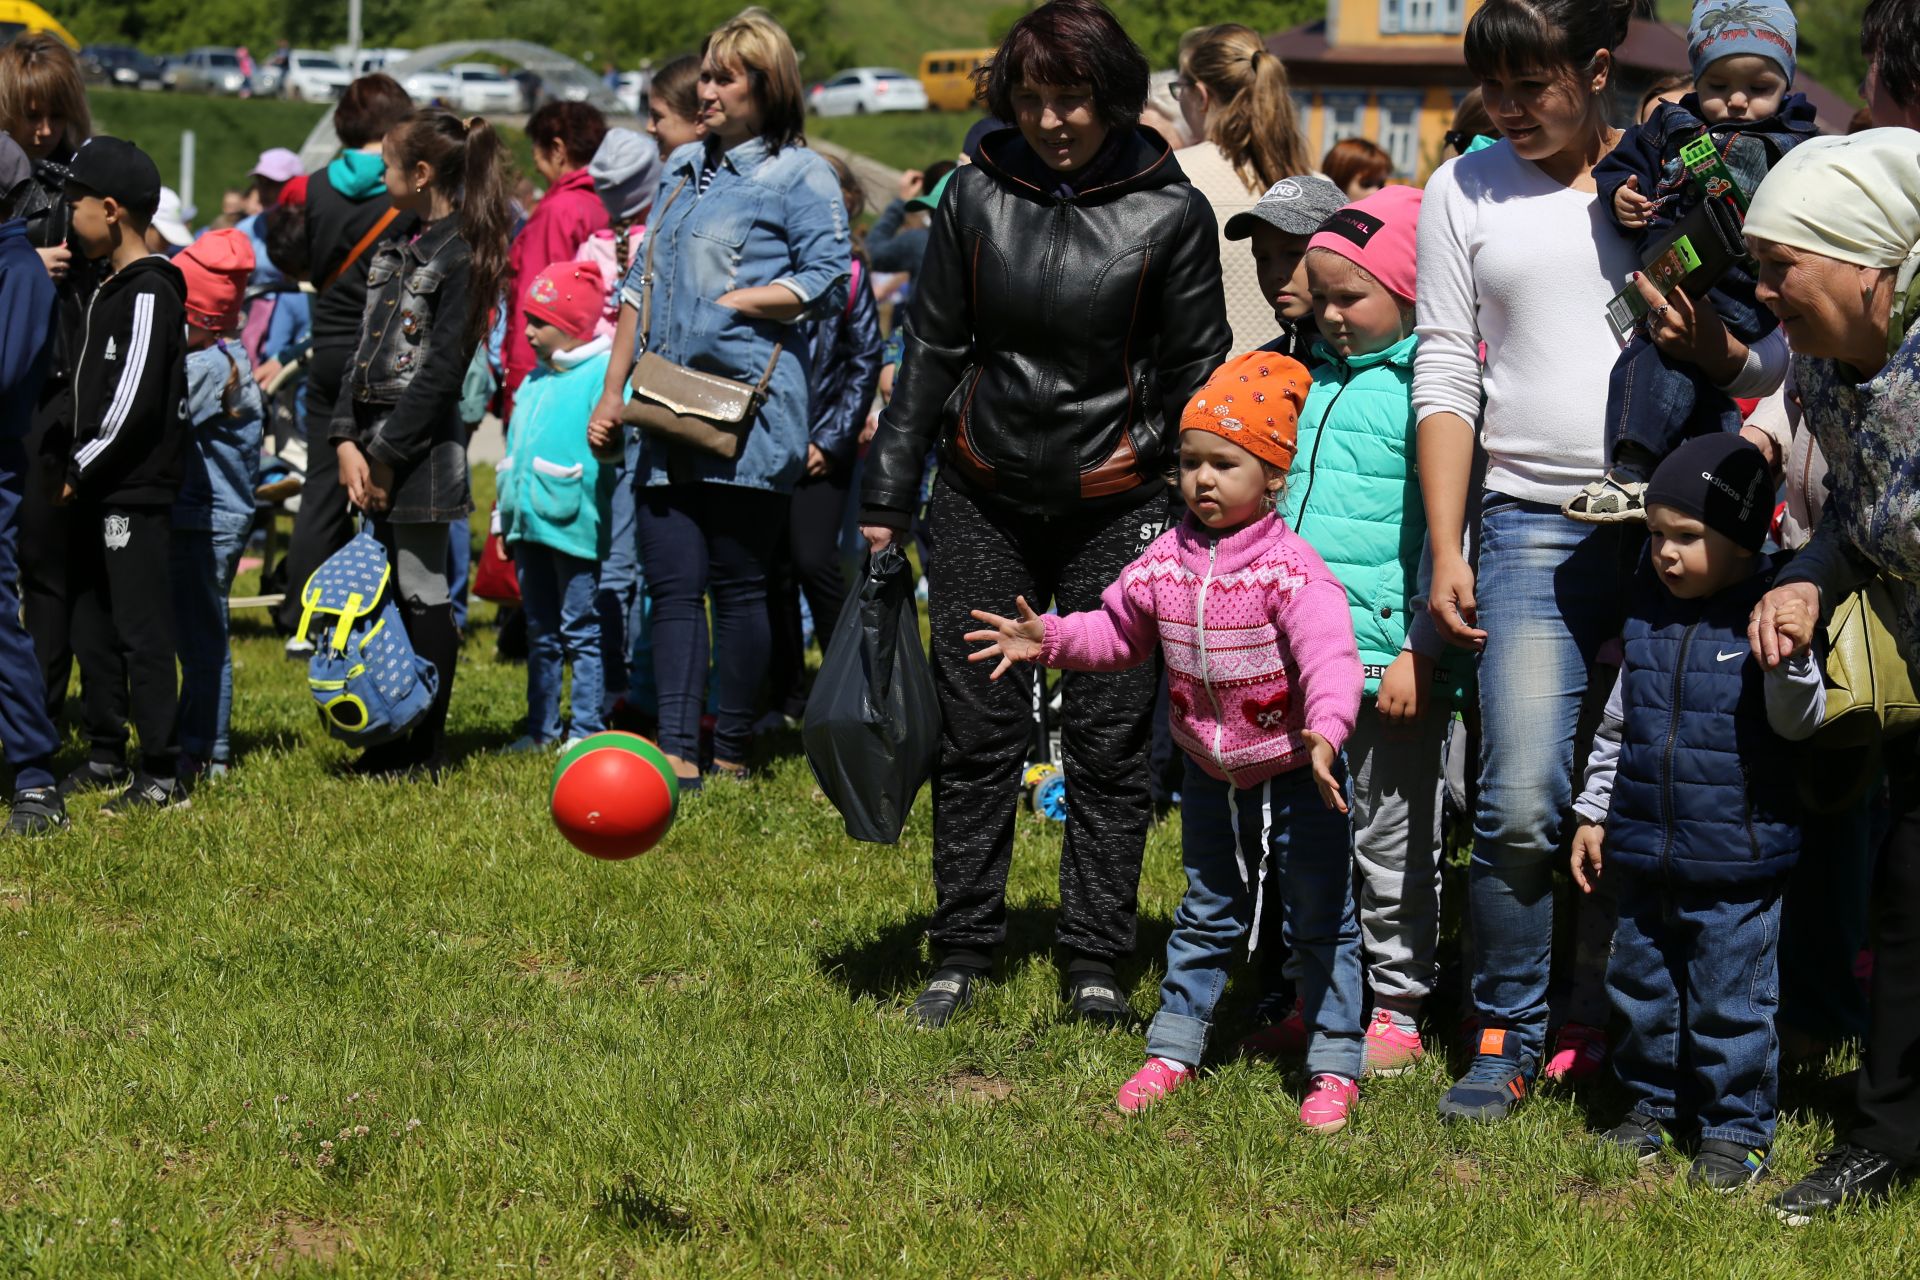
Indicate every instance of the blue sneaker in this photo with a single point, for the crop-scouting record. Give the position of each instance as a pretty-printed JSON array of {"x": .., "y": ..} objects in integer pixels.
[{"x": 1496, "y": 1082}]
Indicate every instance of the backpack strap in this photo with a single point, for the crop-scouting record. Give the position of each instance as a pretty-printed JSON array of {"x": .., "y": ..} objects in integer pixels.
[{"x": 366, "y": 242}]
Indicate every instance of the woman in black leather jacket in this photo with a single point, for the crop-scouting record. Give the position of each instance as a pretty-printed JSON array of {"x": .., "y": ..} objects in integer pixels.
[
  {"x": 845, "y": 372},
  {"x": 1068, "y": 305}
]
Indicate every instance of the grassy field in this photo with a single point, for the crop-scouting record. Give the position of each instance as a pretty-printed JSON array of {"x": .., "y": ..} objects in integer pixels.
[
  {"x": 317, "y": 1026},
  {"x": 905, "y": 140},
  {"x": 894, "y": 33}
]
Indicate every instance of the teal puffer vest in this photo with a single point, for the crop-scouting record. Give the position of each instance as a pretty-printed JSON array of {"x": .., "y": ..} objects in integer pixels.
[{"x": 1354, "y": 491}]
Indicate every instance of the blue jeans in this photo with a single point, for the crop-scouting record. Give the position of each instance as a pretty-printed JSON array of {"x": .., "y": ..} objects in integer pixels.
[
  {"x": 459, "y": 568},
  {"x": 204, "y": 562},
  {"x": 26, "y": 731},
  {"x": 1550, "y": 591},
  {"x": 557, "y": 591},
  {"x": 1695, "y": 981},
  {"x": 1659, "y": 403},
  {"x": 621, "y": 585},
  {"x": 1311, "y": 847}
]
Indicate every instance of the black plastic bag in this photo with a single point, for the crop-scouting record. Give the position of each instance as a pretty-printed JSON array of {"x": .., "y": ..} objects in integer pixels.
[{"x": 873, "y": 721}]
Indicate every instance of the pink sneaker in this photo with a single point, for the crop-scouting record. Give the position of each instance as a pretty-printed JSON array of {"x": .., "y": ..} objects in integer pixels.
[
  {"x": 1150, "y": 1084},
  {"x": 1286, "y": 1038},
  {"x": 1329, "y": 1098},
  {"x": 1579, "y": 1051},
  {"x": 1391, "y": 1051}
]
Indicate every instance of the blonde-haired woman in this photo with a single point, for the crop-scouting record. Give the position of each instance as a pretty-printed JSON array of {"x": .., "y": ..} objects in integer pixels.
[
  {"x": 748, "y": 235},
  {"x": 1234, "y": 94}
]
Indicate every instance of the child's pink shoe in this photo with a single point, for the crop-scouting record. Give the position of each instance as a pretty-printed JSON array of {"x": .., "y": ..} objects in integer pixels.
[
  {"x": 1391, "y": 1051},
  {"x": 1329, "y": 1098},
  {"x": 1286, "y": 1038},
  {"x": 1150, "y": 1084},
  {"x": 1579, "y": 1051}
]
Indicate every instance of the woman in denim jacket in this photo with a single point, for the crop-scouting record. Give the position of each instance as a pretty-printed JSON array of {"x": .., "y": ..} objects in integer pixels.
[
  {"x": 397, "y": 429},
  {"x": 750, "y": 236}
]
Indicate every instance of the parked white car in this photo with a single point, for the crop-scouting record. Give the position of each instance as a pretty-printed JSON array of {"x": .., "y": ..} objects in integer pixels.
[
  {"x": 314, "y": 76},
  {"x": 482, "y": 89},
  {"x": 632, "y": 91},
  {"x": 865, "y": 90}
]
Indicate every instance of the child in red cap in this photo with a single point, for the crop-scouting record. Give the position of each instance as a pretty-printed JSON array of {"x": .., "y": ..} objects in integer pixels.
[
  {"x": 554, "y": 499},
  {"x": 214, "y": 510},
  {"x": 1263, "y": 683}
]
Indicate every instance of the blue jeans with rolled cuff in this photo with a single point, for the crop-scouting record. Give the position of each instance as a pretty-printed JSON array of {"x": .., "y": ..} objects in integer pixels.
[
  {"x": 563, "y": 625},
  {"x": 1236, "y": 844}
]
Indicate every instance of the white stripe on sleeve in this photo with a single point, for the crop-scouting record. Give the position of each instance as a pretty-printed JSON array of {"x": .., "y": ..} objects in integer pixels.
[{"x": 132, "y": 367}]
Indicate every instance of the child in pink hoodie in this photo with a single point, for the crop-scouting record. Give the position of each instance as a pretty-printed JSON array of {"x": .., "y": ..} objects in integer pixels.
[{"x": 1264, "y": 684}]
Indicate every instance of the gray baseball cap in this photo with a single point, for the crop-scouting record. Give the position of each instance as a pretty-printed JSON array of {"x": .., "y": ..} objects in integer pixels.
[{"x": 1296, "y": 206}]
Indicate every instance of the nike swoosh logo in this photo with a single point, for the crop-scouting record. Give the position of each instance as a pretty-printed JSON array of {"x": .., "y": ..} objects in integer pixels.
[{"x": 1729, "y": 657}]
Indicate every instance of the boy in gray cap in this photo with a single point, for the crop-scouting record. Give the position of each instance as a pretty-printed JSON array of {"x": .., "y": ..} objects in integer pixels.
[{"x": 1280, "y": 226}]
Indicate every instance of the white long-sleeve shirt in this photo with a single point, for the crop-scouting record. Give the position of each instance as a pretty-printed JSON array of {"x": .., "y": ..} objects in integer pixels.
[{"x": 1512, "y": 258}]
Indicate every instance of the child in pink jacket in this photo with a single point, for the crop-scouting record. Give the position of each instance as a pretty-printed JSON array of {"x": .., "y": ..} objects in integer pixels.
[{"x": 1264, "y": 684}]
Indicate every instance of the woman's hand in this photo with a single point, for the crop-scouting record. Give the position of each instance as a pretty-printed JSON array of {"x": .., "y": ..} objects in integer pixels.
[
  {"x": 56, "y": 260},
  {"x": 1695, "y": 334},
  {"x": 1324, "y": 758},
  {"x": 1587, "y": 861},
  {"x": 879, "y": 537},
  {"x": 1450, "y": 601},
  {"x": 1011, "y": 640},
  {"x": 356, "y": 477},
  {"x": 1403, "y": 689},
  {"x": 817, "y": 463},
  {"x": 1783, "y": 623}
]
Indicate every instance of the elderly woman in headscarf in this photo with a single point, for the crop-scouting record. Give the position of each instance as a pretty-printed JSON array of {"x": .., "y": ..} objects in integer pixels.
[{"x": 1836, "y": 230}]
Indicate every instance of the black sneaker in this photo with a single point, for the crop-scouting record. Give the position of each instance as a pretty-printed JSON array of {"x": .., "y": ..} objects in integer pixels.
[
  {"x": 37, "y": 811},
  {"x": 147, "y": 793},
  {"x": 1640, "y": 1136},
  {"x": 1096, "y": 998},
  {"x": 1726, "y": 1167},
  {"x": 947, "y": 992},
  {"x": 1495, "y": 1083},
  {"x": 95, "y": 775},
  {"x": 1845, "y": 1175}
]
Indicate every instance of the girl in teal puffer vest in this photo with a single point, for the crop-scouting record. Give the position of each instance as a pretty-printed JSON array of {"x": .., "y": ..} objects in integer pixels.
[
  {"x": 554, "y": 499},
  {"x": 1354, "y": 495}
]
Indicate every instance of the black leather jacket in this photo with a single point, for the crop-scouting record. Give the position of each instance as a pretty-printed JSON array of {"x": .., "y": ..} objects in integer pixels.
[
  {"x": 1055, "y": 335},
  {"x": 402, "y": 391}
]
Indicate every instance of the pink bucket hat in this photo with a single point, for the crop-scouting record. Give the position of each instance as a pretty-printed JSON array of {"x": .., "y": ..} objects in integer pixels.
[{"x": 1379, "y": 234}]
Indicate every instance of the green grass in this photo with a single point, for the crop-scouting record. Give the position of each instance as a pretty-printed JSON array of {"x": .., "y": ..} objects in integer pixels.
[
  {"x": 692, "y": 1063},
  {"x": 905, "y": 140},
  {"x": 894, "y": 33}
]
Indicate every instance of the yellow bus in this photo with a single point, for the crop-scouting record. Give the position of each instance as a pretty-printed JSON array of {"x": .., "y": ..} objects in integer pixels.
[
  {"x": 17, "y": 16},
  {"x": 947, "y": 75}
]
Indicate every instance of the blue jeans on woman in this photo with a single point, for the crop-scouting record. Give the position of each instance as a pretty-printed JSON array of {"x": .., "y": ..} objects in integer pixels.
[
  {"x": 204, "y": 562},
  {"x": 1550, "y": 592},
  {"x": 563, "y": 625},
  {"x": 1225, "y": 834},
  {"x": 695, "y": 539}
]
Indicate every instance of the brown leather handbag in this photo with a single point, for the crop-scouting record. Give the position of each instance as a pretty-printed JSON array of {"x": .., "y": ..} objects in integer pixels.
[{"x": 684, "y": 406}]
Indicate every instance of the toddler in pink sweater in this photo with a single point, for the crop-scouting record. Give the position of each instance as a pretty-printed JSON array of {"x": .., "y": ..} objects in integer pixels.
[{"x": 1264, "y": 683}]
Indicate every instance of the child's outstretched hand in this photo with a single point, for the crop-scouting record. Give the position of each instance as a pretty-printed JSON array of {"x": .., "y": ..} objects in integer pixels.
[
  {"x": 1324, "y": 758},
  {"x": 1630, "y": 208},
  {"x": 1587, "y": 863},
  {"x": 1011, "y": 640}
]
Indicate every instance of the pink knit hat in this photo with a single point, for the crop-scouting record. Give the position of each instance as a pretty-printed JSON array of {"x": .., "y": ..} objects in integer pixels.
[
  {"x": 216, "y": 267},
  {"x": 1378, "y": 233},
  {"x": 569, "y": 296}
]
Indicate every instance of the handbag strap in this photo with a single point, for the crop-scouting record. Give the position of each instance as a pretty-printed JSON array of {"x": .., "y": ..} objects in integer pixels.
[
  {"x": 646, "y": 296},
  {"x": 384, "y": 221}
]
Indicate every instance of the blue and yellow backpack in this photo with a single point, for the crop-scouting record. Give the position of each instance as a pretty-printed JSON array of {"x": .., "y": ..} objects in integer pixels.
[{"x": 370, "y": 686}]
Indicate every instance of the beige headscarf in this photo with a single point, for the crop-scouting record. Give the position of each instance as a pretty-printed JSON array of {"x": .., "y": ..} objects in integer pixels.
[{"x": 1856, "y": 199}]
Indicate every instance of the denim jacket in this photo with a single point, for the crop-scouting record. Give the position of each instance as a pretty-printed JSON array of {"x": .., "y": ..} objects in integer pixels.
[
  {"x": 218, "y": 467},
  {"x": 402, "y": 405},
  {"x": 765, "y": 219}
]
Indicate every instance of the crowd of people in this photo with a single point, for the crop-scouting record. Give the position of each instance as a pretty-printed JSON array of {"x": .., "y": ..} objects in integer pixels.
[{"x": 1336, "y": 498}]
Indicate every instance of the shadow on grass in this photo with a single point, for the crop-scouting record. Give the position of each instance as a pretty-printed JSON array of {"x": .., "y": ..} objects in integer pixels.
[
  {"x": 890, "y": 965},
  {"x": 635, "y": 1208}
]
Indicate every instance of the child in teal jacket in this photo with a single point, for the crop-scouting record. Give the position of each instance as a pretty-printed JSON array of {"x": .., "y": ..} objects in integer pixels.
[
  {"x": 1354, "y": 495},
  {"x": 554, "y": 500}
]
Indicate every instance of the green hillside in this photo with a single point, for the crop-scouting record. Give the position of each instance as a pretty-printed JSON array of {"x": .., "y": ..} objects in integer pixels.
[{"x": 896, "y": 32}]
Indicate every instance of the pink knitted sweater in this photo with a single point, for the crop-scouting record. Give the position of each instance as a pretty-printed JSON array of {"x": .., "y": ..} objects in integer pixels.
[{"x": 1258, "y": 639}]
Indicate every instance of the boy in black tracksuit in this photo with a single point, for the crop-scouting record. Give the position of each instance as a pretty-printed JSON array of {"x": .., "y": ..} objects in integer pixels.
[{"x": 129, "y": 428}]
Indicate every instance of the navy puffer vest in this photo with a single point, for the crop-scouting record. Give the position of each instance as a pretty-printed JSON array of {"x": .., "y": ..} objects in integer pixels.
[{"x": 1705, "y": 792}]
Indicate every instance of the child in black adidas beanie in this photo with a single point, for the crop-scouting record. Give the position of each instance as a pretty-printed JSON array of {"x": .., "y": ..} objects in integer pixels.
[{"x": 1690, "y": 811}]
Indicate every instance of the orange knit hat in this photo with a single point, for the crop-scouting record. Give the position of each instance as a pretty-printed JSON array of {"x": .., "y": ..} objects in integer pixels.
[{"x": 1254, "y": 401}]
